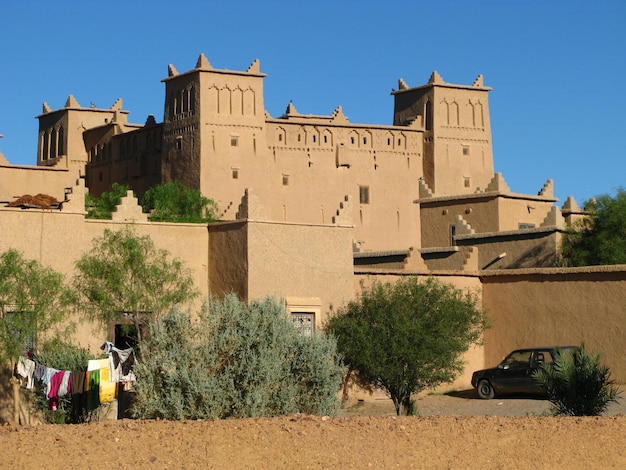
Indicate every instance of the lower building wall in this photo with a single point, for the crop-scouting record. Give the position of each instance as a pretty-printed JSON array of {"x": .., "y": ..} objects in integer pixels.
[{"x": 543, "y": 307}]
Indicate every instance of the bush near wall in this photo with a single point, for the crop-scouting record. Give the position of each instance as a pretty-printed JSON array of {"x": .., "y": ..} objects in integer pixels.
[{"x": 237, "y": 360}]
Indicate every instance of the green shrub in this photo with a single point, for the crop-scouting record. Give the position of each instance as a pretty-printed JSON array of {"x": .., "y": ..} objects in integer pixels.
[
  {"x": 103, "y": 206},
  {"x": 176, "y": 202},
  {"x": 236, "y": 360},
  {"x": 577, "y": 384}
]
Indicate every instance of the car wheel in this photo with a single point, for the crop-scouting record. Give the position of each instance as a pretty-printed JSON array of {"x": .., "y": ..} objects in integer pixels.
[{"x": 485, "y": 390}]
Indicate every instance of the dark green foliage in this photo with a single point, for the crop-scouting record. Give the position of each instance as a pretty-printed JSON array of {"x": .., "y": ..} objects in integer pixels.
[
  {"x": 124, "y": 277},
  {"x": 60, "y": 355},
  {"x": 102, "y": 207},
  {"x": 408, "y": 336},
  {"x": 175, "y": 202},
  {"x": 236, "y": 360},
  {"x": 599, "y": 239},
  {"x": 577, "y": 384}
]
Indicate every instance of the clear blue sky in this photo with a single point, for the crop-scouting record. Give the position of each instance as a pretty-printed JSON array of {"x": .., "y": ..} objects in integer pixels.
[{"x": 557, "y": 68}]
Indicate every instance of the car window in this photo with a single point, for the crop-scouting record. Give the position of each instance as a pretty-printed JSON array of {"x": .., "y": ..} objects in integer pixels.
[
  {"x": 518, "y": 359},
  {"x": 542, "y": 357}
]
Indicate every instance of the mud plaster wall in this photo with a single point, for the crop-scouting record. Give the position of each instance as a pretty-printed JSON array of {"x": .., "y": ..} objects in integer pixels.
[{"x": 558, "y": 307}]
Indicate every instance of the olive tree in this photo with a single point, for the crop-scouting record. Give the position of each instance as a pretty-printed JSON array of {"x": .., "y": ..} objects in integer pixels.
[
  {"x": 407, "y": 336},
  {"x": 124, "y": 277},
  {"x": 34, "y": 303}
]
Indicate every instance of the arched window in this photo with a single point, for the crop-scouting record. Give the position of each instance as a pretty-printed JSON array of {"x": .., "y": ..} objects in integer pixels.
[
  {"x": 53, "y": 143},
  {"x": 429, "y": 115},
  {"x": 61, "y": 141},
  {"x": 45, "y": 146},
  {"x": 192, "y": 101}
]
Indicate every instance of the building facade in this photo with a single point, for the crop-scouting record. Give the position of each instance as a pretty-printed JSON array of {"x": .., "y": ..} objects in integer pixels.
[{"x": 413, "y": 183}]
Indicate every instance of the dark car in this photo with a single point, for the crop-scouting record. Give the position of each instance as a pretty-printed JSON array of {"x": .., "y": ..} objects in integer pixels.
[{"x": 515, "y": 373}]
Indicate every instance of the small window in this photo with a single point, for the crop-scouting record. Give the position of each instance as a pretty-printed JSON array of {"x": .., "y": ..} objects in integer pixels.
[
  {"x": 304, "y": 322},
  {"x": 314, "y": 139},
  {"x": 280, "y": 137},
  {"x": 351, "y": 140},
  {"x": 364, "y": 194},
  {"x": 179, "y": 143},
  {"x": 235, "y": 173},
  {"x": 285, "y": 180},
  {"x": 325, "y": 139},
  {"x": 452, "y": 235},
  {"x": 388, "y": 142},
  {"x": 467, "y": 181},
  {"x": 364, "y": 140},
  {"x": 299, "y": 137},
  {"x": 466, "y": 150},
  {"x": 234, "y": 140}
]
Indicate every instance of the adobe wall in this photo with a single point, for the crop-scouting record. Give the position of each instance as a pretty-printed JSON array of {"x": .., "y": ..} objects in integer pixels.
[
  {"x": 16, "y": 181},
  {"x": 228, "y": 259},
  {"x": 522, "y": 249},
  {"x": 307, "y": 265},
  {"x": 58, "y": 239},
  {"x": 542, "y": 307}
]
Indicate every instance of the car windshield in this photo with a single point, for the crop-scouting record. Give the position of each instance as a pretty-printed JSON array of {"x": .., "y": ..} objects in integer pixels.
[{"x": 517, "y": 359}]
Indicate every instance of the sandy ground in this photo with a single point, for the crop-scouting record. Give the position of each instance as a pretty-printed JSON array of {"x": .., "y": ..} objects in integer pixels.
[{"x": 451, "y": 432}]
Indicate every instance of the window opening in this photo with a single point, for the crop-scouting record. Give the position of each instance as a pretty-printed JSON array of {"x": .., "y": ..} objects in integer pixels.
[{"x": 364, "y": 194}]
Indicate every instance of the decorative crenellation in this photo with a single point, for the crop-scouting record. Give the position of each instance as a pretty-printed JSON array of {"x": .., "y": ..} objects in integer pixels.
[
  {"x": 547, "y": 190},
  {"x": 470, "y": 258},
  {"x": 461, "y": 227},
  {"x": 414, "y": 260},
  {"x": 554, "y": 218},
  {"x": 343, "y": 216},
  {"x": 424, "y": 190},
  {"x": 129, "y": 210},
  {"x": 571, "y": 205},
  {"x": 250, "y": 207},
  {"x": 497, "y": 184}
]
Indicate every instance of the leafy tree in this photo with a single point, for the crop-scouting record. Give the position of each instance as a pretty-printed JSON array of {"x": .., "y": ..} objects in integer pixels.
[
  {"x": 600, "y": 238},
  {"x": 175, "y": 202},
  {"x": 102, "y": 207},
  {"x": 408, "y": 336},
  {"x": 236, "y": 360},
  {"x": 33, "y": 304},
  {"x": 124, "y": 277},
  {"x": 577, "y": 384}
]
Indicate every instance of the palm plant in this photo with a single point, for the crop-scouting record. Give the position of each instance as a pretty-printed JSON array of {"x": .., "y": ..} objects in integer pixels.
[{"x": 578, "y": 384}]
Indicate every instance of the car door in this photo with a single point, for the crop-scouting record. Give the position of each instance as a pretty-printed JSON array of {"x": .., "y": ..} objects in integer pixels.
[
  {"x": 513, "y": 373},
  {"x": 538, "y": 359}
]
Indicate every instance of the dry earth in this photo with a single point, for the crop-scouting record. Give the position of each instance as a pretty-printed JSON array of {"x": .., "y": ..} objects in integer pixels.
[{"x": 451, "y": 432}]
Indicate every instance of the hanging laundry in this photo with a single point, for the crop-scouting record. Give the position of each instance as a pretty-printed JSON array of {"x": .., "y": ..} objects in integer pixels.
[
  {"x": 26, "y": 369},
  {"x": 121, "y": 363}
]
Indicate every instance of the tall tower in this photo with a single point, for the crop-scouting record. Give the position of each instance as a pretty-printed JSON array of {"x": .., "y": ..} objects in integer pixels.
[
  {"x": 61, "y": 141},
  {"x": 213, "y": 121},
  {"x": 458, "y": 156}
]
